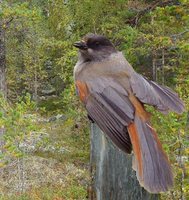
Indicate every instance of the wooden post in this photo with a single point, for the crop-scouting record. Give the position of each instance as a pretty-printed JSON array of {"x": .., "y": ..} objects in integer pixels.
[{"x": 111, "y": 170}]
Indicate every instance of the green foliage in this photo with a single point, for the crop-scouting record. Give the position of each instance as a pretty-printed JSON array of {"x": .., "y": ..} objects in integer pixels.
[
  {"x": 16, "y": 125},
  {"x": 24, "y": 42}
]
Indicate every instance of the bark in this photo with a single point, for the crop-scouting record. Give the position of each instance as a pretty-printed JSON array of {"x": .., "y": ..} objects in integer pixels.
[
  {"x": 154, "y": 69},
  {"x": 162, "y": 68},
  {"x": 111, "y": 171}
]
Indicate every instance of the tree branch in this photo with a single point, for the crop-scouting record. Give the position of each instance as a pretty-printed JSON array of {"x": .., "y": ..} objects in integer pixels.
[
  {"x": 176, "y": 36},
  {"x": 7, "y": 22},
  {"x": 134, "y": 21}
]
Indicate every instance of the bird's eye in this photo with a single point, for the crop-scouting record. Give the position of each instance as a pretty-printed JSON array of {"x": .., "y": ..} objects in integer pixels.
[{"x": 97, "y": 43}]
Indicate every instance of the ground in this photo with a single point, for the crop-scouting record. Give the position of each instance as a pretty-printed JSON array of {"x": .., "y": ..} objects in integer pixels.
[{"x": 53, "y": 168}]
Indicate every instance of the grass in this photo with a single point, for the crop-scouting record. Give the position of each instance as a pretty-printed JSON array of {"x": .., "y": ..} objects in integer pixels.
[
  {"x": 73, "y": 135},
  {"x": 57, "y": 192}
]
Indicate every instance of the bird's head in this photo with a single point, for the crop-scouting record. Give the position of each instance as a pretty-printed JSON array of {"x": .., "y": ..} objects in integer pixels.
[{"x": 95, "y": 47}]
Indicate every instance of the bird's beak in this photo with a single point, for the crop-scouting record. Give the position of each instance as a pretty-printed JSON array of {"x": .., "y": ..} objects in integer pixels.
[{"x": 81, "y": 45}]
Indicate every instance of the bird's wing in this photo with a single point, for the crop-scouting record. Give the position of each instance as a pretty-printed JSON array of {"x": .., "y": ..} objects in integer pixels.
[
  {"x": 109, "y": 108},
  {"x": 123, "y": 118},
  {"x": 149, "y": 92}
]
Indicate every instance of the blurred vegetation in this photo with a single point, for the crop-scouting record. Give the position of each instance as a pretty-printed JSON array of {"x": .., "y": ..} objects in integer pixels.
[{"x": 153, "y": 35}]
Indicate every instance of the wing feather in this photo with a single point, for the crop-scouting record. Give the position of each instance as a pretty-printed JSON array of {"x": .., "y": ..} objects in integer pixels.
[
  {"x": 149, "y": 92},
  {"x": 169, "y": 97},
  {"x": 111, "y": 110}
]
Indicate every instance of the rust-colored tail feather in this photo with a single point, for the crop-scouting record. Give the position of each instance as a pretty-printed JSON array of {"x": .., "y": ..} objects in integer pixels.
[
  {"x": 136, "y": 147},
  {"x": 151, "y": 163}
]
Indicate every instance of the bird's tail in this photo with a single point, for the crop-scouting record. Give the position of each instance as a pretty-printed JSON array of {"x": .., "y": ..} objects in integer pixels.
[{"x": 150, "y": 161}]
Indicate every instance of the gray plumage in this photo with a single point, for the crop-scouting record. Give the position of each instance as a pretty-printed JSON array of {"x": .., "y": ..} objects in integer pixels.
[{"x": 114, "y": 94}]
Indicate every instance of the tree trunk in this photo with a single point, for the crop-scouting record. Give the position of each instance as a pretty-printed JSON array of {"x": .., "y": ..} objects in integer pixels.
[
  {"x": 111, "y": 170},
  {"x": 163, "y": 68},
  {"x": 3, "y": 88},
  {"x": 154, "y": 69}
]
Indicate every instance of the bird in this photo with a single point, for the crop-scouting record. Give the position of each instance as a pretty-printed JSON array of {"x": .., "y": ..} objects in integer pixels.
[{"x": 115, "y": 95}]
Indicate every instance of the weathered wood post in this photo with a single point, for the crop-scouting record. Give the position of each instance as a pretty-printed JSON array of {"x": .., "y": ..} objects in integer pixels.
[{"x": 111, "y": 171}]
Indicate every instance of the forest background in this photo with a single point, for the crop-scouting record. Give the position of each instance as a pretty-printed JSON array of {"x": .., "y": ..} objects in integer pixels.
[{"x": 44, "y": 147}]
